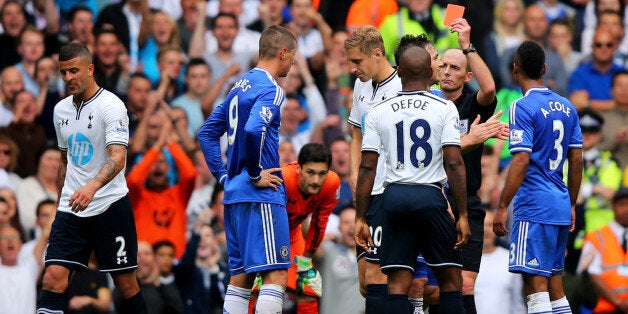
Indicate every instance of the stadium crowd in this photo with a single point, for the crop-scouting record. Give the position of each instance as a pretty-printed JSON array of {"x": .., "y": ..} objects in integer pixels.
[{"x": 172, "y": 62}]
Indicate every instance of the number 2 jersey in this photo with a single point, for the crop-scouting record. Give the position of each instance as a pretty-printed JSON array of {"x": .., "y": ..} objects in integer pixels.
[
  {"x": 545, "y": 125},
  {"x": 84, "y": 131},
  {"x": 250, "y": 115},
  {"x": 412, "y": 128}
]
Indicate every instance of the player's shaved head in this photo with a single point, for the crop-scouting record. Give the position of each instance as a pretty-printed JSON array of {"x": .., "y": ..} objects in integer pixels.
[{"x": 415, "y": 64}]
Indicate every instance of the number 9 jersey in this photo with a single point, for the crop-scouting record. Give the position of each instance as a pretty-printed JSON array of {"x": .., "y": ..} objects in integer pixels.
[
  {"x": 545, "y": 125},
  {"x": 250, "y": 115},
  {"x": 412, "y": 128}
]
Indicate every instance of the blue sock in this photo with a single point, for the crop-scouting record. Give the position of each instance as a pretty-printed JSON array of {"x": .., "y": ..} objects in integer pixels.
[
  {"x": 52, "y": 302},
  {"x": 398, "y": 304},
  {"x": 450, "y": 302},
  {"x": 133, "y": 305},
  {"x": 376, "y": 296}
]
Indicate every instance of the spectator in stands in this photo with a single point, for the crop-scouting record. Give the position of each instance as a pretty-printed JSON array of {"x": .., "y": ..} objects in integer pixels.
[
  {"x": 590, "y": 21},
  {"x": 29, "y": 136},
  {"x": 88, "y": 291},
  {"x": 51, "y": 91},
  {"x": 590, "y": 84},
  {"x": 287, "y": 152},
  {"x": 201, "y": 276},
  {"x": 247, "y": 40},
  {"x": 137, "y": 99},
  {"x": 507, "y": 34},
  {"x": 612, "y": 21},
  {"x": 126, "y": 19},
  {"x": 312, "y": 32},
  {"x": 162, "y": 32},
  {"x": 11, "y": 83},
  {"x": 292, "y": 114},
  {"x": 192, "y": 13},
  {"x": 338, "y": 266},
  {"x": 603, "y": 256},
  {"x": 170, "y": 62},
  {"x": 13, "y": 20},
  {"x": 30, "y": 48},
  {"x": 158, "y": 206},
  {"x": 38, "y": 187},
  {"x": 556, "y": 10},
  {"x": 270, "y": 13},
  {"x": 164, "y": 257},
  {"x": 535, "y": 27},
  {"x": 4, "y": 212},
  {"x": 496, "y": 289},
  {"x": 225, "y": 63},
  {"x": 9, "y": 153},
  {"x": 197, "y": 78},
  {"x": 108, "y": 71},
  {"x": 340, "y": 163},
  {"x": 13, "y": 214},
  {"x": 45, "y": 215},
  {"x": 18, "y": 277},
  {"x": 417, "y": 17},
  {"x": 80, "y": 26},
  {"x": 368, "y": 12},
  {"x": 160, "y": 298},
  {"x": 601, "y": 175},
  {"x": 615, "y": 129},
  {"x": 559, "y": 38}
]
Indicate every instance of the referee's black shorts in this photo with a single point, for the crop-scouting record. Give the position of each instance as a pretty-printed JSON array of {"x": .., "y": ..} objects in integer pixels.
[
  {"x": 111, "y": 235},
  {"x": 472, "y": 250}
]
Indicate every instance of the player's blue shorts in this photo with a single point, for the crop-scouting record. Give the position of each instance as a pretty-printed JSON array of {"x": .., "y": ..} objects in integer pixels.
[
  {"x": 422, "y": 270},
  {"x": 537, "y": 249},
  {"x": 258, "y": 237},
  {"x": 374, "y": 216}
]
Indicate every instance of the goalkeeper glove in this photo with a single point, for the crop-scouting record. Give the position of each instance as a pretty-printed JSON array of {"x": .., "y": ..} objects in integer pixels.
[
  {"x": 309, "y": 281},
  {"x": 257, "y": 284}
]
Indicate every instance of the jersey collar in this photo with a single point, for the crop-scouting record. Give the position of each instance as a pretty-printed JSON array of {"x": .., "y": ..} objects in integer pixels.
[{"x": 537, "y": 88}]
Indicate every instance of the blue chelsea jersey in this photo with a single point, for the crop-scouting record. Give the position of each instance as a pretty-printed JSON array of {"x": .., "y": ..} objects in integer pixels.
[
  {"x": 250, "y": 115},
  {"x": 545, "y": 125}
]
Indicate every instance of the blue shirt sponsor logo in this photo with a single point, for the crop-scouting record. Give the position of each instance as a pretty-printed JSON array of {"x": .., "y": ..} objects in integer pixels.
[{"x": 81, "y": 149}]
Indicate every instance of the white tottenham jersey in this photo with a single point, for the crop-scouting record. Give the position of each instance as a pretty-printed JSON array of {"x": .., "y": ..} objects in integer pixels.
[
  {"x": 365, "y": 96},
  {"x": 412, "y": 129},
  {"x": 85, "y": 131}
]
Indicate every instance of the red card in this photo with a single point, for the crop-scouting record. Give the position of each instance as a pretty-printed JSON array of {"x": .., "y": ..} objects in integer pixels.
[{"x": 452, "y": 13}]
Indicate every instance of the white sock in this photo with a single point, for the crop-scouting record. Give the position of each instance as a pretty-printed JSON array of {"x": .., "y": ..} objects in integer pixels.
[
  {"x": 561, "y": 306},
  {"x": 270, "y": 300},
  {"x": 417, "y": 304},
  {"x": 236, "y": 300},
  {"x": 539, "y": 303}
]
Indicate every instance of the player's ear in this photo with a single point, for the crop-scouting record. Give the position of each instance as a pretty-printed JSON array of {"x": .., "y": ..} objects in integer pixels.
[
  {"x": 90, "y": 69},
  {"x": 377, "y": 54},
  {"x": 544, "y": 69}
]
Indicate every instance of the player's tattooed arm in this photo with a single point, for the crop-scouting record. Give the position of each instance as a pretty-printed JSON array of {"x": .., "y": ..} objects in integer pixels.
[
  {"x": 113, "y": 165},
  {"x": 63, "y": 166}
]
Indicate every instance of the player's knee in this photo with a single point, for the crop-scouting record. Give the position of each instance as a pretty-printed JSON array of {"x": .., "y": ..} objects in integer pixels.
[
  {"x": 275, "y": 277},
  {"x": 449, "y": 279},
  {"x": 431, "y": 295},
  {"x": 55, "y": 279},
  {"x": 374, "y": 275},
  {"x": 126, "y": 283}
]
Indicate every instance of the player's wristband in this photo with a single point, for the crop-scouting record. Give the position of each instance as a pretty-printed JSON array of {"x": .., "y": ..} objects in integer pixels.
[{"x": 255, "y": 179}]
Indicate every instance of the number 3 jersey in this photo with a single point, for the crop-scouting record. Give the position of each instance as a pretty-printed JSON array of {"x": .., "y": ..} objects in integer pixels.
[
  {"x": 250, "y": 115},
  {"x": 84, "y": 131},
  {"x": 546, "y": 126},
  {"x": 412, "y": 128}
]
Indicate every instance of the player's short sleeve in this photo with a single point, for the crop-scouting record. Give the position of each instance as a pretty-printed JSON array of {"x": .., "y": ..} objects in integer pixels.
[
  {"x": 451, "y": 134},
  {"x": 116, "y": 123},
  {"x": 576, "y": 134},
  {"x": 355, "y": 116},
  {"x": 521, "y": 128},
  {"x": 371, "y": 142},
  {"x": 61, "y": 142}
]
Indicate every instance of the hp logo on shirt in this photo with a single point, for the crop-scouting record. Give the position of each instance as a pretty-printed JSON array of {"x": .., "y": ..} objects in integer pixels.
[{"x": 81, "y": 149}]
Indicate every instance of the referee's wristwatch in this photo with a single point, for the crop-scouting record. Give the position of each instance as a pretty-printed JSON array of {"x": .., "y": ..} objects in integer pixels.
[{"x": 469, "y": 49}]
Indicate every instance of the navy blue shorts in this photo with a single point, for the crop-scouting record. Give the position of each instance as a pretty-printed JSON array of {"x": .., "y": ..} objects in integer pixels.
[
  {"x": 374, "y": 216},
  {"x": 258, "y": 237},
  {"x": 111, "y": 235},
  {"x": 416, "y": 221}
]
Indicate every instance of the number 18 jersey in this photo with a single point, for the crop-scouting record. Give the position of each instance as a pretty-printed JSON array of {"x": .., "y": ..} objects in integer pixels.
[
  {"x": 412, "y": 128},
  {"x": 545, "y": 125}
]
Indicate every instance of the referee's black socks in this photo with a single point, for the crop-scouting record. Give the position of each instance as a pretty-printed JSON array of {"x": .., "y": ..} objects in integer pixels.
[
  {"x": 398, "y": 303},
  {"x": 376, "y": 296}
]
